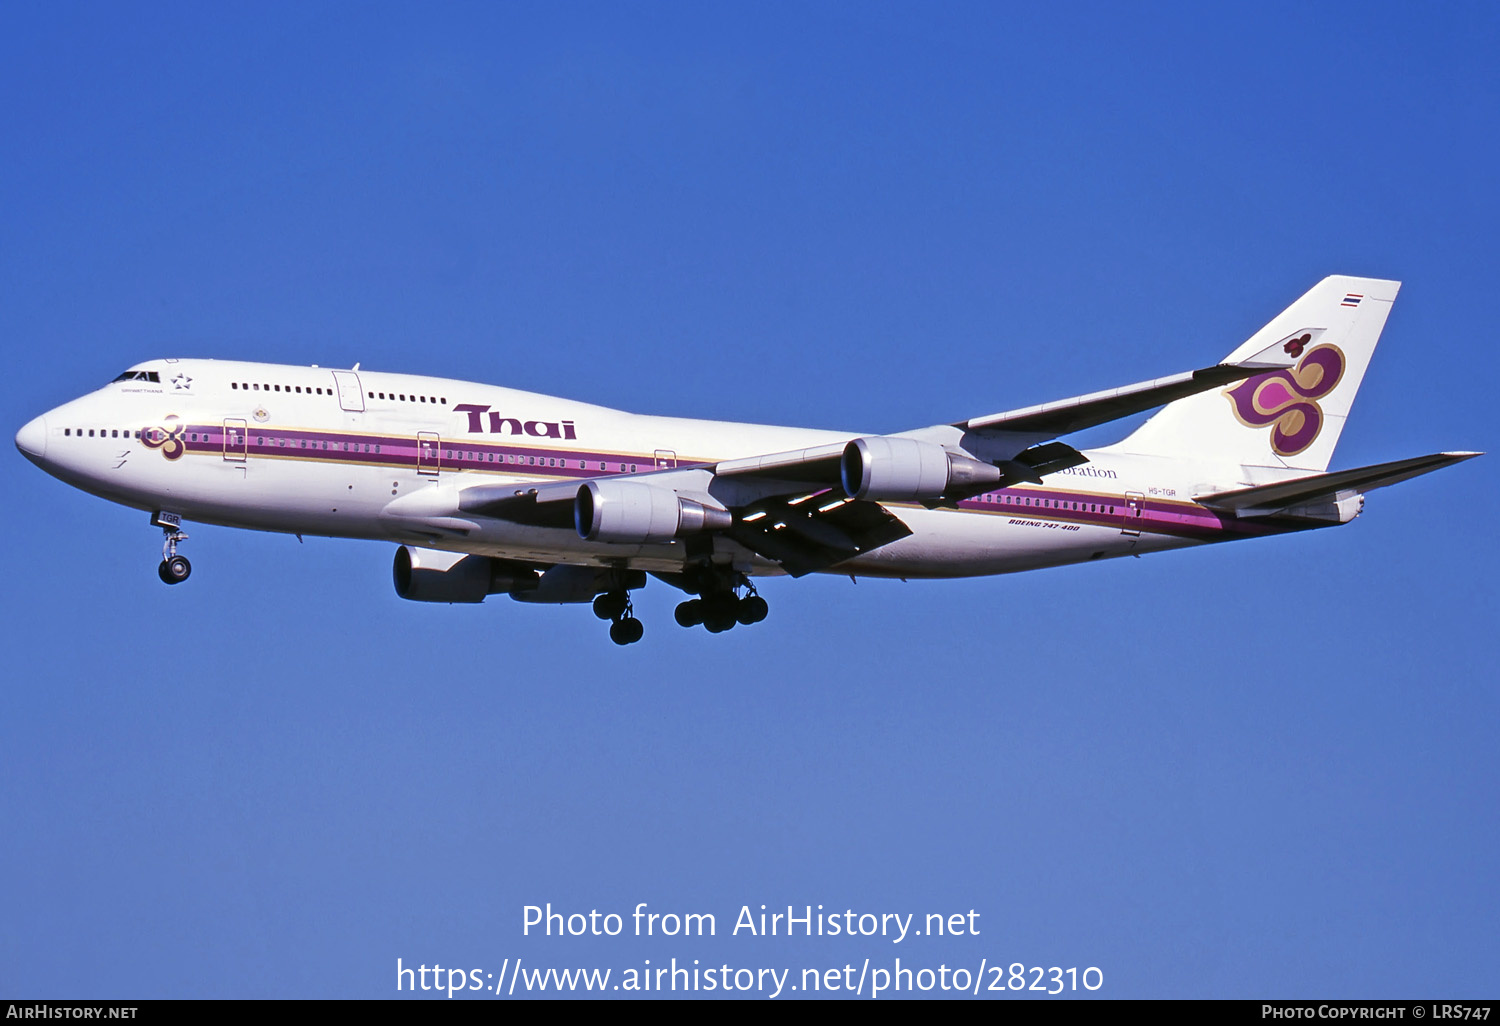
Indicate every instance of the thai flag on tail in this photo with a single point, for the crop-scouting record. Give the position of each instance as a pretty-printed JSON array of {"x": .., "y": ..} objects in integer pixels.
[{"x": 1352, "y": 299}]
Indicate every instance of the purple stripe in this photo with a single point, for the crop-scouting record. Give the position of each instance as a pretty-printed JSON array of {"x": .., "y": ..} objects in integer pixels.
[{"x": 1177, "y": 519}]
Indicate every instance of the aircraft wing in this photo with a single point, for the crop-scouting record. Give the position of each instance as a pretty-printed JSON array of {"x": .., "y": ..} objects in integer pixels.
[
  {"x": 804, "y": 525},
  {"x": 547, "y": 505},
  {"x": 815, "y": 530},
  {"x": 1067, "y": 415},
  {"x": 816, "y": 465}
]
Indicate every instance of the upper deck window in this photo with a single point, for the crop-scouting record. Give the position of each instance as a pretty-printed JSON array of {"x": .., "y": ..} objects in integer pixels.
[{"x": 140, "y": 376}]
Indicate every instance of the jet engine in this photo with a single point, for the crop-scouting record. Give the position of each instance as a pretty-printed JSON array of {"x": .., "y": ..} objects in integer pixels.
[
  {"x": 430, "y": 575},
  {"x": 906, "y": 469},
  {"x": 561, "y": 584},
  {"x": 637, "y": 512}
]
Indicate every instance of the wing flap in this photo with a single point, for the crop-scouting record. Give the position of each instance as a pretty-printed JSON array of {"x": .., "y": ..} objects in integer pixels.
[{"x": 815, "y": 531}]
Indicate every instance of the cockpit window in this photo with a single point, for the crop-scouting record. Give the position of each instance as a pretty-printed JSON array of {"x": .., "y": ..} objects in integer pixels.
[{"x": 140, "y": 376}]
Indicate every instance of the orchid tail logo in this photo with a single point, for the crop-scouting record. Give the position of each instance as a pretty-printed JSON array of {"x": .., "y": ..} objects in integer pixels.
[{"x": 1288, "y": 399}]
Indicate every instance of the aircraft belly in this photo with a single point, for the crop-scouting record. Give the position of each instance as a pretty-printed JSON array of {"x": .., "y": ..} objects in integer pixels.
[{"x": 958, "y": 543}]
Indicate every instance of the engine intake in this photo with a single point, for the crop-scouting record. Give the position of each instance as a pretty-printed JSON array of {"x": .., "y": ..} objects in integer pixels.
[
  {"x": 636, "y": 512},
  {"x": 905, "y": 469}
]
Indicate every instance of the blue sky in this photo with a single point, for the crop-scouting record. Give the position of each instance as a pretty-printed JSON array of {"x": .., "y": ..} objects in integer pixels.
[{"x": 1247, "y": 770}]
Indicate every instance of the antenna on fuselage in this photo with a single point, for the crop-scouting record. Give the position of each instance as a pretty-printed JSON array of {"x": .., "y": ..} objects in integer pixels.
[{"x": 355, "y": 367}]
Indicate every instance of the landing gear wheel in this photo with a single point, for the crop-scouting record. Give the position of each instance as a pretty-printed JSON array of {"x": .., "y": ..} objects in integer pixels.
[
  {"x": 174, "y": 570},
  {"x": 611, "y": 605},
  {"x": 719, "y": 614},
  {"x": 752, "y": 609},
  {"x": 627, "y": 631},
  {"x": 689, "y": 613}
]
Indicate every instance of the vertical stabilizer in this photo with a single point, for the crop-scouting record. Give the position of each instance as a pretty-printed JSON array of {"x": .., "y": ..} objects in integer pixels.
[{"x": 1284, "y": 418}]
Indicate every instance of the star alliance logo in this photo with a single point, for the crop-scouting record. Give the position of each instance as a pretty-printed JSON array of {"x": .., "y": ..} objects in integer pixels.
[{"x": 182, "y": 381}]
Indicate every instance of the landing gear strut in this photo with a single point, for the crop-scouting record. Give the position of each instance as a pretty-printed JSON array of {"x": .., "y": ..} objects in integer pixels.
[
  {"x": 616, "y": 606},
  {"x": 721, "y": 605},
  {"x": 173, "y": 569}
]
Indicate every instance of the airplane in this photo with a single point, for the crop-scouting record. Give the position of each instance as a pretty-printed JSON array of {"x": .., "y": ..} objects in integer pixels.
[{"x": 488, "y": 490}]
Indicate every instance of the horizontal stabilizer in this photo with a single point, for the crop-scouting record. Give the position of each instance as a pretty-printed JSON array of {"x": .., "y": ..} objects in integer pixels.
[{"x": 1321, "y": 487}]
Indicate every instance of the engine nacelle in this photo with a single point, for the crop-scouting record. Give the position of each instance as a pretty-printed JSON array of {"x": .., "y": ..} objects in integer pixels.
[
  {"x": 905, "y": 469},
  {"x": 561, "y": 584},
  {"x": 637, "y": 512},
  {"x": 430, "y": 575}
]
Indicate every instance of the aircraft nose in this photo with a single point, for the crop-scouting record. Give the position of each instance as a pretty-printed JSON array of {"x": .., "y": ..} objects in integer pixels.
[{"x": 32, "y": 438}]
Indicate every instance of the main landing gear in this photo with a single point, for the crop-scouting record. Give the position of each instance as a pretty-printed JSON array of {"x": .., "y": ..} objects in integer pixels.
[
  {"x": 616, "y": 606},
  {"x": 720, "y": 605},
  {"x": 173, "y": 569}
]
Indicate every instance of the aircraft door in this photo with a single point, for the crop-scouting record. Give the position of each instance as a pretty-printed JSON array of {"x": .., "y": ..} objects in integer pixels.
[
  {"x": 1135, "y": 509},
  {"x": 428, "y": 453},
  {"x": 236, "y": 440},
  {"x": 666, "y": 459},
  {"x": 351, "y": 394}
]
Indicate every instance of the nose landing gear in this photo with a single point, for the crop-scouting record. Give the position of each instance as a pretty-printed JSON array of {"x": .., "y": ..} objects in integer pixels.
[{"x": 173, "y": 569}]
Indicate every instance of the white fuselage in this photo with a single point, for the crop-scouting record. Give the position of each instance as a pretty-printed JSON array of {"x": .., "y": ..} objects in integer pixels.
[{"x": 363, "y": 454}]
